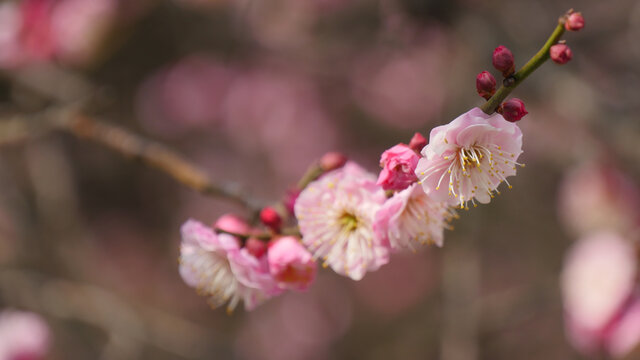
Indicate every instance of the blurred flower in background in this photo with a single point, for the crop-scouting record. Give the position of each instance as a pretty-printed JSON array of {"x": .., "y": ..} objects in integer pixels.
[{"x": 23, "y": 336}]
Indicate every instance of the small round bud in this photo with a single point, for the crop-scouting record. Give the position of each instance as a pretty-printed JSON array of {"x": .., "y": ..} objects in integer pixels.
[
  {"x": 332, "y": 160},
  {"x": 232, "y": 223},
  {"x": 289, "y": 199},
  {"x": 560, "y": 53},
  {"x": 255, "y": 247},
  {"x": 503, "y": 60},
  {"x": 485, "y": 84},
  {"x": 417, "y": 142},
  {"x": 270, "y": 217},
  {"x": 574, "y": 22},
  {"x": 513, "y": 110}
]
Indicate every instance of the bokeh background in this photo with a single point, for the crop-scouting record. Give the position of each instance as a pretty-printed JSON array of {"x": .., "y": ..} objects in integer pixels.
[{"x": 256, "y": 90}]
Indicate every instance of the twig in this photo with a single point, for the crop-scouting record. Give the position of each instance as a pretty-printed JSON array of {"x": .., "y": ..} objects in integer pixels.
[{"x": 151, "y": 153}]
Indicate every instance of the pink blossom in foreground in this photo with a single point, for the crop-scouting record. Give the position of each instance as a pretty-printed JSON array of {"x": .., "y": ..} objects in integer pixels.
[
  {"x": 468, "y": 158},
  {"x": 398, "y": 167},
  {"x": 410, "y": 218},
  {"x": 597, "y": 196},
  {"x": 216, "y": 266},
  {"x": 23, "y": 336},
  {"x": 597, "y": 281},
  {"x": 291, "y": 264},
  {"x": 336, "y": 215},
  {"x": 625, "y": 334}
]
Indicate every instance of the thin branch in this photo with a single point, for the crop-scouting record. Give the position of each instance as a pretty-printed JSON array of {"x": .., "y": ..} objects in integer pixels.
[{"x": 70, "y": 120}]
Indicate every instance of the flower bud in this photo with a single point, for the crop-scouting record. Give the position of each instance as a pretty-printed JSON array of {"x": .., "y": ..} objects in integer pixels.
[
  {"x": 485, "y": 84},
  {"x": 256, "y": 247},
  {"x": 289, "y": 199},
  {"x": 332, "y": 160},
  {"x": 503, "y": 60},
  {"x": 574, "y": 22},
  {"x": 270, "y": 217},
  {"x": 232, "y": 223},
  {"x": 398, "y": 168},
  {"x": 417, "y": 142},
  {"x": 560, "y": 53},
  {"x": 513, "y": 110}
]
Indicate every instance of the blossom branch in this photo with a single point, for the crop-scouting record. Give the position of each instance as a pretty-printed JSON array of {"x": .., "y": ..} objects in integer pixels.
[{"x": 511, "y": 82}]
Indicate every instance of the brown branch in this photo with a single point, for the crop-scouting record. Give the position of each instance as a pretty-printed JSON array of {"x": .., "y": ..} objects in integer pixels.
[{"x": 70, "y": 120}]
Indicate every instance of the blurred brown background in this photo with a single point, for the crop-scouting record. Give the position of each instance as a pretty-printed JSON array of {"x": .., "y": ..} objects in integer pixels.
[{"x": 254, "y": 91}]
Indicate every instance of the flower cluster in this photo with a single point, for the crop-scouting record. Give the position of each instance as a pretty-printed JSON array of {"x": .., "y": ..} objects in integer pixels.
[{"x": 219, "y": 267}]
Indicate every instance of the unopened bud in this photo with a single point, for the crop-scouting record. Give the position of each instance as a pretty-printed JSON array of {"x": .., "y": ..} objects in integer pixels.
[
  {"x": 289, "y": 199},
  {"x": 574, "y": 22},
  {"x": 232, "y": 223},
  {"x": 485, "y": 84},
  {"x": 503, "y": 60},
  {"x": 513, "y": 110},
  {"x": 270, "y": 217},
  {"x": 332, "y": 160},
  {"x": 560, "y": 53},
  {"x": 418, "y": 142},
  {"x": 255, "y": 247}
]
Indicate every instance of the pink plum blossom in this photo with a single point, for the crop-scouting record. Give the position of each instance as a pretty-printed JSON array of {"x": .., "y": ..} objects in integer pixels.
[
  {"x": 596, "y": 196},
  {"x": 23, "y": 336},
  {"x": 398, "y": 167},
  {"x": 468, "y": 158},
  {"x": 336, "y": 215},
  {"x": 291, "y": 264},
  {"x": 217, "y": 266},
  {"x": 411, "y": 217},
  {"x": 597, "y": 281}
]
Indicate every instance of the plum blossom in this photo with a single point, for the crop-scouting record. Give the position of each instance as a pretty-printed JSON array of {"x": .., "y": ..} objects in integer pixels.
[
  {"x": 23, "y": 336},
  {"x": 398, "y": 167},
  {"x": 336, "y": 215},
  {"x": 468, "y": 158},
  {"x": 597, "y": 196},
  {"x": 597, "y": 282},
  {"x": 217, "y": 266},
  {"x": 291, "y": 264},
  {"x": 411, "y": 217}
]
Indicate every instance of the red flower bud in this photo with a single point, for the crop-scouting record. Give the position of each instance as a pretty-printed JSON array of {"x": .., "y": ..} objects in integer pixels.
[
  {"x": 289, "y": 199},
  {"x": 485, "y": 84},
  {"x": 503, "y": 61},
  {"x": 574, "y": 22},
  {"x": 270, "y": 217},
  {"x": 255, "y": 247},
  {"x": 560, "y": 53},
  {"x": 332, "y": 160},
  {"x": 513, "y": 110},
  {"x": 417, "y": 142}
]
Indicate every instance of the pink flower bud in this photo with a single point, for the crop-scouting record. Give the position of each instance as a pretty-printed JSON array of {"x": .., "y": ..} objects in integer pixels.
[
  {"x": 485, "y": 84},
  {"x": 289, "y": 199},
  {"x": 513, "y": 110},
  {"x": 232, "y": 223},
  {"x": 255, "y": 247},
  {"x": 503, "y": 60},
  {"x": 332, "y": 160},
  {"x": 560, "y": 53},
  {"x": 574, "y": 22},
  {"x": 398, "y": 168},
  {"x": 270, "y": 217},
  {"x": 417, "y": 142},
  {"x": 291, "y": 265}
]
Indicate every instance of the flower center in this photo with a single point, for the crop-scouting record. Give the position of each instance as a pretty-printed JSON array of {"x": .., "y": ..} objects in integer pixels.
[{"x": 348, "y": 221}]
